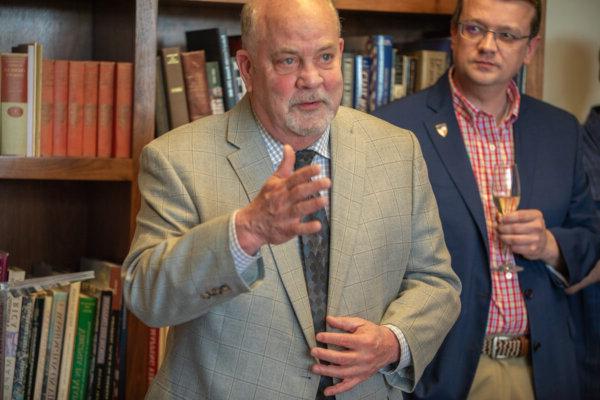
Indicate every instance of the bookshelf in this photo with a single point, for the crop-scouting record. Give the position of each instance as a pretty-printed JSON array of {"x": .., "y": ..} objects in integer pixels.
[{"x": 58, "y": 209}]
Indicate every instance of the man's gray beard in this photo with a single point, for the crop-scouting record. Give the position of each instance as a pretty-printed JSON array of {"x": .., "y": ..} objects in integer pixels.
[{"x": 317, "y": 128}]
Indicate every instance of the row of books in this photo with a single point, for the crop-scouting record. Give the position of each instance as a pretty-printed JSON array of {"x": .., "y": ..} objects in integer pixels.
[
  {"x": 204, "y": 78},
  {"x": 375, "y": 72},
  {"x": 63, "y": 336},
  {"x": 200, "y": 80},
  {"x": 64, "y": 107}
]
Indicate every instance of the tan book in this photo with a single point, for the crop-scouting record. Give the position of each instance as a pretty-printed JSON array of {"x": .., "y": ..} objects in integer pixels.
[{"x": 430, "y": 65}]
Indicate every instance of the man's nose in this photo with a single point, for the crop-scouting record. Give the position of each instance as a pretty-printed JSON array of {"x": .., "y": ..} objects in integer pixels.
[
  {"x": 488, "y": 42},
  {"x": 309, "y": 77}
]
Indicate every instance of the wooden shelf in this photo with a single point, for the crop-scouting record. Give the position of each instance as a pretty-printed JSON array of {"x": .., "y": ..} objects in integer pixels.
[
  {"x": 66, "y": 168},
  {"x": 445, "y": 7}
]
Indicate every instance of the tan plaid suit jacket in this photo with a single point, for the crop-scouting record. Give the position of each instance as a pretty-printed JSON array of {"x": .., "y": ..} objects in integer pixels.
[{"x": 389, "y": 262}]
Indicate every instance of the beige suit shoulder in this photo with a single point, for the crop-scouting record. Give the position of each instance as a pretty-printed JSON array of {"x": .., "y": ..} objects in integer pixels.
[{"x": 201, "y": 132}]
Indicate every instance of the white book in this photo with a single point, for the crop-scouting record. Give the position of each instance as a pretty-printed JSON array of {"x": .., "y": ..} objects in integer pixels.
[
  {"x": 41, "y": 355},
  {"x": 12, "y": 332},
  {"x": 69, "y": 341}
]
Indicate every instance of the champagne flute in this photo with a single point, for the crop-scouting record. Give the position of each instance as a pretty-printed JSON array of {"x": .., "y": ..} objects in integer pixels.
[{"x": 506, "y": 191}]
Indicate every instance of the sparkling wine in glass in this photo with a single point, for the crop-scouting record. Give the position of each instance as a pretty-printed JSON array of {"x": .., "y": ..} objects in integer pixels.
[{"x": 506, "y": 191}]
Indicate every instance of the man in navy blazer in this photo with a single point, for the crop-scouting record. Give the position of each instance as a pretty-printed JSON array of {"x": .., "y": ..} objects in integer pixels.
[{"x": 471, "y": 118}]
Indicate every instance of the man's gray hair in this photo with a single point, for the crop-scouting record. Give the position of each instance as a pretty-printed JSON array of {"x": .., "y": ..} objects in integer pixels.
[{"x": 249, "y": 16}]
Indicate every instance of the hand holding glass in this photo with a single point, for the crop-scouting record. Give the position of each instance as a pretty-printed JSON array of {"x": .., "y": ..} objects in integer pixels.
[{"x": 506, "y": 191}]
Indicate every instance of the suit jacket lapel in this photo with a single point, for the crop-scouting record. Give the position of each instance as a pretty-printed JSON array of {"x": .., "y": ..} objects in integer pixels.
[
  {"x": 348, "y": 168},
  {"x": 253, "y": 166},
  {"x": 527, "y": 144},
  {"x": 452, "y": 152}
]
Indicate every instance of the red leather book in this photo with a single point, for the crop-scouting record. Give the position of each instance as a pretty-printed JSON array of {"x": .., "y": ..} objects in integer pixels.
[
  {"x": 90, "y": 108},
  {"x": 75, "y": 125},
  {"x": 47, "y": 118},
  {"x": 13, "y": 101},
  {"x": 123, "y": 110},
  {"x": 61, "y": 97},
  {"x": 196, "y": 86},
  {"x": 106, "y": 90}
]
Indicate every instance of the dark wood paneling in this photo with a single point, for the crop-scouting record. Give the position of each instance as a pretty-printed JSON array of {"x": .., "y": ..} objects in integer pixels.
[{"x": 64, "y": 28}]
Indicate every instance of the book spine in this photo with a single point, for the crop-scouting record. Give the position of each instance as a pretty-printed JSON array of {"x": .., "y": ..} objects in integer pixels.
[
  {"x": 90, "y": 108},
  {"x": 106, "y": 89},
  {"x": 47, "y": 118},
  {"x": 75, "y": 107},
  {"x": 214, "y": 87},
  {"x": 22, "y": 358},
  {"x": 111, "y": 352},
  {"x": 34, "y": 343},
  {"x": 13, "y": 103},
  {"x": 196, "y": 86},
  {"x": 238, "y": 82},
  {"x": 348, "y": 74},
  {"x": 43, "y": 347},
  {"x": 55, "y": 343},
  {"x": 161, "y": 114},
  {"x": 123, "y": 110},
  {"x": 227, "y": 74},
  {"x": 176, "y": 96},
  {"x": 101, "y": 345},
  {"x": 153, "y": 337},
  {"x": 61, "y": 97},
  {"x": 11, "y": 333},
  {"x": 83, "y": 344},
  {"x": 68, "y": 341}
]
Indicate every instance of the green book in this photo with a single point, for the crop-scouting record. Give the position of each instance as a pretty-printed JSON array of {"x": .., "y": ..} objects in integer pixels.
[{"x": 83, "y": 347}]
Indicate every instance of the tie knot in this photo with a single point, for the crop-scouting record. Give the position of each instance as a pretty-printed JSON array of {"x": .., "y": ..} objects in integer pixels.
[{"x": 304, "y": 158}]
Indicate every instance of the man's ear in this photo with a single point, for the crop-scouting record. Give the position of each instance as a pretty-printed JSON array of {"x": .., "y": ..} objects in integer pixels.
[
  {"x": 245, "y": 66},
  {"x": 531, "y": 48}
]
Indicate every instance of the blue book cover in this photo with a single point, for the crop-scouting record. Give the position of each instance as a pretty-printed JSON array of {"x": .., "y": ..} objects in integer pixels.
[{"x": 381, "y": 52}]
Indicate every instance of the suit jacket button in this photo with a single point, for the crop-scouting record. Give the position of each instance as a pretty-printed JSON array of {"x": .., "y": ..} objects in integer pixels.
[
  {"x": 537, "y": 346},
  {"x": 528, "y": 294}
]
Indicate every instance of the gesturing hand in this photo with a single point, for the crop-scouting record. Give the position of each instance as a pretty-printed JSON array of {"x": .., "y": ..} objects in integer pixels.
[
  {"x": 274, "y": 216},
  {"x": 366, "y": 348}
]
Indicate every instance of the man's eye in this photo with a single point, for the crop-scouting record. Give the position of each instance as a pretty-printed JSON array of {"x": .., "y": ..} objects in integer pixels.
[
  {"x": 288, "y": 61},
  {"x": 327, "y": 57},
  {"x": 474, "y": 29},
  {"x": 506, "y": 36}
]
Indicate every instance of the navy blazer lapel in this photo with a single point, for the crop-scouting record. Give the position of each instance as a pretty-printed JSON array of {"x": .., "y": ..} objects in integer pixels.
[
  {"x": 527, "y": 142},
  {"x": 451, "y": 150}
]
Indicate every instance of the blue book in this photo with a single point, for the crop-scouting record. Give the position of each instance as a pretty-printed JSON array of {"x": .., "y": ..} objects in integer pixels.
[{"x": 381, "y": 51}]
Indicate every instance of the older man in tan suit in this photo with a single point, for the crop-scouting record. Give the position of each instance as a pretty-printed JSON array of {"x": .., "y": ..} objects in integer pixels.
[{"x": 284, "y": 281}]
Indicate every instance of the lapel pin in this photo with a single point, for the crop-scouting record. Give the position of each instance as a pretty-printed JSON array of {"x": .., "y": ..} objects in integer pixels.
[{"x": 442, "y": 129}]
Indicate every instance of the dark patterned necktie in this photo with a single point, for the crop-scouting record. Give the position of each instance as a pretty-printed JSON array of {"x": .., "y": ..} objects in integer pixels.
[{"x": 315, "y": 261}]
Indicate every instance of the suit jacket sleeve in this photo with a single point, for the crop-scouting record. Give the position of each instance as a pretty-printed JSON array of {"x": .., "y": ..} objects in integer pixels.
[
  {"x": 579, "y": 236},
  {"x": 429, "y": 302},
  {"x": 178, "y": 266}
]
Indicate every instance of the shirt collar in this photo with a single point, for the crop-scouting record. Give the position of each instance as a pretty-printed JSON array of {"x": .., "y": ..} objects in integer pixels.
[
  {"x": 275, "y": 147},
  {"x": 462, "y": 104}
]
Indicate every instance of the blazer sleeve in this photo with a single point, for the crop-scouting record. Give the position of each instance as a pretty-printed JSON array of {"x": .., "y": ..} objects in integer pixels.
[
  {"x": 178, "y": 266},
  {"x": 579, "y": 236},
  {"x": 429, "y": 299}
]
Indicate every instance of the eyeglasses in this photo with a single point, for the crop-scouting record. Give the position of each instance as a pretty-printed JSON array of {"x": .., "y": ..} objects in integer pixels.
[{"x": 473, "y": 31}]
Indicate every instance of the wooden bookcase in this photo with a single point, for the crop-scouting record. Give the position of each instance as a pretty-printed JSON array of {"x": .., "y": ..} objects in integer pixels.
[{"x": 59, "y": 209}]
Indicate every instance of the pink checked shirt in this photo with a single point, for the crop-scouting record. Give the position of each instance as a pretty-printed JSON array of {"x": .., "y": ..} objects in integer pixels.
[{"x": 488, "y": 144}]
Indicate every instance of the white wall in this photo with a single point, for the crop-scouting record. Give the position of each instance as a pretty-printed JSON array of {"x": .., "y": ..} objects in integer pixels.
[{"x": 571, "y": 55}]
